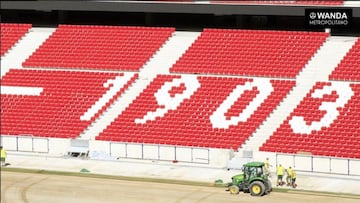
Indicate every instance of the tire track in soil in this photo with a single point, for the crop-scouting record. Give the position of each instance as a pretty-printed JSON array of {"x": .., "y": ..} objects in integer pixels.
[
  {"x": 185, "y": 198},
  {"x": 20, "y": 187},
  {"x": 26, "y": 188},
  {"x": 4, "y": 190},
  {"x": 206, "y": 197},
  {"x": 187, "y": 195}
]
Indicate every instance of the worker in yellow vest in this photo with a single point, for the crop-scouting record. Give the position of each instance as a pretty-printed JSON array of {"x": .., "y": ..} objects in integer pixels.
[
  {"x": 3, "y": 155},
  {"x": 289, "y": 172},
  {"x": 267, "y": 167},
  {"x": 280, "y": 170},
  {"x": 293, "y": 179}
]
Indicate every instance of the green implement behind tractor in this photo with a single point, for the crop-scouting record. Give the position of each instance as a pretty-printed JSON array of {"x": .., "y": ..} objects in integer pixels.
[{"x": 253, "y": 180}]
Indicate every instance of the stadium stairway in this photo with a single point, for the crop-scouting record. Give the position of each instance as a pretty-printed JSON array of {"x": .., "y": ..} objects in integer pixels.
[
  {"x": 160, "y": 62},
  {"x": 318, "y": 68},
  {"x": 24, "y": 48}
]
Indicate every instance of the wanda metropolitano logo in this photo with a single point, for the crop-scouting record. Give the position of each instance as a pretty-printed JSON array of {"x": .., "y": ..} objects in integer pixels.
[{"x": 328, "y": 18}]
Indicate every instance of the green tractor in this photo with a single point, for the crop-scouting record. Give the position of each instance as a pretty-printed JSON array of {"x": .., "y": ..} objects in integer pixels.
[{"x": 253, "y": 180}]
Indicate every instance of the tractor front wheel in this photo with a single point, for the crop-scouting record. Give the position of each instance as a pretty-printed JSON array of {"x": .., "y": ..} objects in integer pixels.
[
  {"x": 234, "y": 190},
  {"x": 257, "y": 188}
]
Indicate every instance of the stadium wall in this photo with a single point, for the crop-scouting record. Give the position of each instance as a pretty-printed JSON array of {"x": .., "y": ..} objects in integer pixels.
[{"x": 204, "y": 157}]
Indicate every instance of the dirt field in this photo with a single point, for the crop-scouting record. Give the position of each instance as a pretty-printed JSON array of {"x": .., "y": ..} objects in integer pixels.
[{"x": 46, "y": 188}]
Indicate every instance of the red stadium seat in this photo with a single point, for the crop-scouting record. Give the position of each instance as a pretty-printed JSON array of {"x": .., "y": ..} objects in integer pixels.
[
  {"x": 189, "y": 123},
  {"x": 58, "y": 110},
  {"x": 235, "y": 52},
  {"x": 11, "y": 33},
  {"x": 332, "y": 131},
  {"x": 99, "y": 47},
  {"x": 348, "y": 69}
]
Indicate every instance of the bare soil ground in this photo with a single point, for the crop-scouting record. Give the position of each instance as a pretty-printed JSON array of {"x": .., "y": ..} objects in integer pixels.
[{"x": 17, "y": 187}]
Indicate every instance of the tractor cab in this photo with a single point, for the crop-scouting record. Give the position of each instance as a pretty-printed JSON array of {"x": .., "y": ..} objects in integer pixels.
[
  {"x": 253, "y": 180},
  {"x": 254, "y": 170}
]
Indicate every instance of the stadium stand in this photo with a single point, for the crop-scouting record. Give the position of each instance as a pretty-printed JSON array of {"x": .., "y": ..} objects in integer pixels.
[
  {"x": 206, "y": 111},
  {"x": 203, "y": 111},
  {"x": 10, "y": 34},
  {"x": 169, "y": 99},
  {"x": 325, "y": 123},
  {"x": 236, "y": 52},
  {"x": 57, "y": 104},
  {"x": 348, "y": 69},
  {"x": 99, "y": 47}
]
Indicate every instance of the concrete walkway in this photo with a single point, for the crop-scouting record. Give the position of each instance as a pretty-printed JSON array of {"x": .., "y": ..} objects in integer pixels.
[{"x": 172, "y": 171}]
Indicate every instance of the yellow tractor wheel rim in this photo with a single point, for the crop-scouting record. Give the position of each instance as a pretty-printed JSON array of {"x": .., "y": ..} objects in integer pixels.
[
  {"x": 256, "y": 189},
  {"x": 233, "y": 189}
]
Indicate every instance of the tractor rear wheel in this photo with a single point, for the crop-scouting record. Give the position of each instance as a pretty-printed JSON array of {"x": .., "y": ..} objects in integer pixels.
[
  {"x": 234, "y": 190},
  {"x": 257, "y": 188},
  {"x": 268, "y": 187}
]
